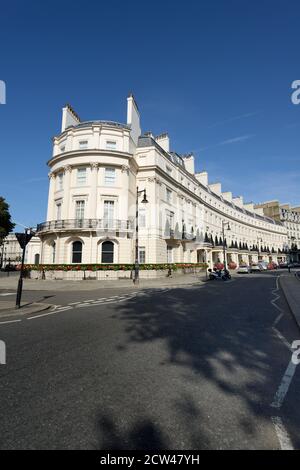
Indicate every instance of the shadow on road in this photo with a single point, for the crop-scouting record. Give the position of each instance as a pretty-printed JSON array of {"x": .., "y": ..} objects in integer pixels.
[{"x": 218, "y": 335}]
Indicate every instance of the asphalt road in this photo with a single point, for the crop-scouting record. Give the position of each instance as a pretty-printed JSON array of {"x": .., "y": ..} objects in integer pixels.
[{"x": 184, "y": 368}]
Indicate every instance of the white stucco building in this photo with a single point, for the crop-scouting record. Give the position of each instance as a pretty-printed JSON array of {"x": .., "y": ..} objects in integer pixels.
[
  {"x": 290, "y": 218},
  {"x": 95, "y": 170},
  {"x": 11, "y": 252}
]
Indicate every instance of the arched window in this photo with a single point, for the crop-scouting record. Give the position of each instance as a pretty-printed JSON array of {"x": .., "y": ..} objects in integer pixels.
[
  {"x": 107, "y": 255},
  {"x": 53, "y": 246},
  {"x": 37, "y": 258},
  {"x": 76, "y": 252}
]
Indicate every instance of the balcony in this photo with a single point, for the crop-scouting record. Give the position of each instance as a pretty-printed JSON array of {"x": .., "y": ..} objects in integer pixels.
[
  {"x": 176, "y": 235},
  {"x": 113, "y": 225}
]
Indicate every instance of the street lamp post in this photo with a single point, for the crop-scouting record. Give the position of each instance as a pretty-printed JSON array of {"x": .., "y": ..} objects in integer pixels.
[
  {"x": 224, "y": 248},
  {"x": 291, "y": 257},
  {"x": 259, "y": 240},
  {"x": 136, "y": 264}
]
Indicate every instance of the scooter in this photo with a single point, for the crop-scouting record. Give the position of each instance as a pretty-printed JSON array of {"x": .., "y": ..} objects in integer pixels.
[
  {"x": 226, "y": 275},
  {"x": 218, "y": 275}
]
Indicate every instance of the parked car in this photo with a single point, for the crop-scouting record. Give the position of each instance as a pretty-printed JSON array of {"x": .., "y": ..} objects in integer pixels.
[
  {"x": 243, "y": 269},
  {"x": 283, "y": 265},
  {"x": 263, "y": 266},
  {"x": 255, "y": 267},
  {"x": 272, "y": 265}
]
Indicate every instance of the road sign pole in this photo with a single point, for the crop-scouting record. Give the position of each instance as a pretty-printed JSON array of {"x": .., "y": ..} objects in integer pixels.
[
  {"x": 20, "y": 283},
  {"x": 23, "y": 239}
]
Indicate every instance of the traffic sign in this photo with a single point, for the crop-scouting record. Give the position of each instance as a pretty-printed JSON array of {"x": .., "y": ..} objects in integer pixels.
[{"x": 24, "y": 239}]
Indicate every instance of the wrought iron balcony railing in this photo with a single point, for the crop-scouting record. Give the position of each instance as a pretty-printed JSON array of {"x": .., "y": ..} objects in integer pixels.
[
  {"x": 87, "y": 224},
  {"x": 171, "y": 234}
]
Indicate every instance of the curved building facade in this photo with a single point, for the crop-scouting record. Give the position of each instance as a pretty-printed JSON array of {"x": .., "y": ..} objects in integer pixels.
[{"x": 95, "y": 171}]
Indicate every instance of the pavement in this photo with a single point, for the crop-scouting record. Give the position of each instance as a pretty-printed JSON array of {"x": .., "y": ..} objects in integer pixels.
[
  {"x": 203, "y": 366},
  {"x": 290, "y": 284},
  {"x": 62, "y": 285},
  {"x": 35, "y": 302},
  {"x": 8, "y": 308}
]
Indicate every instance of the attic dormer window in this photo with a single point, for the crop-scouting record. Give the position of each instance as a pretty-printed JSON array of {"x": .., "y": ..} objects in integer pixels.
[
  {"x": 83, "y": 144},
  {"x": 111, "y": 144}
]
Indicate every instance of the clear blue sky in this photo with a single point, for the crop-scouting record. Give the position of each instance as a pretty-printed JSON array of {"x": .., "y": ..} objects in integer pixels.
[{"x": 214, "y": 74}]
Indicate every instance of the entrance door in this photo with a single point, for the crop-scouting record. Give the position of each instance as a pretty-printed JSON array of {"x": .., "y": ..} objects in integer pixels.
[{"x": 169, "y": 254}]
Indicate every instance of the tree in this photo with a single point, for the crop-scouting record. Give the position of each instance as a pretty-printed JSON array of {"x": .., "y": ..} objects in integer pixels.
[{"x": 6, "y": 225}]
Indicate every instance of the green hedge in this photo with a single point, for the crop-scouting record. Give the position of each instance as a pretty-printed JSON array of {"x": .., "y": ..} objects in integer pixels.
[{"x": 110, "y": 267}]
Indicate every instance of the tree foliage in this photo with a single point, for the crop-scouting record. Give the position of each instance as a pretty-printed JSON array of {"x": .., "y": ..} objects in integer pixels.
[{"x": 6, "y": 224}]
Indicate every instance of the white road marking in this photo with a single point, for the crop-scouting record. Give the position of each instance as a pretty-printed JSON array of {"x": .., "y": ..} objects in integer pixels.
[
  {"x": 7, "y": 293},
  {"x": 284, "y": 385},
  {"x": 42, "y": 315},
  {"x": 278, "y": 319},
  {"x": 273, "y": 301},
  {"x": 282, "y": 338},
  {"x": 9, "y": 321},
  {"x": 282, "y": 434},
  {"x": 72, "y": 305}
]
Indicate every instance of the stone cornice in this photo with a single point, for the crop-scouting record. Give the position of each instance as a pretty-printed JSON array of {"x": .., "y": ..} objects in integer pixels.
[{"x": 88, "y": 153}]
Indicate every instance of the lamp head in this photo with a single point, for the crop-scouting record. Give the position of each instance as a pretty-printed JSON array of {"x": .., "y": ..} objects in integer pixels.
[{"x": 144, "y": 200}]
